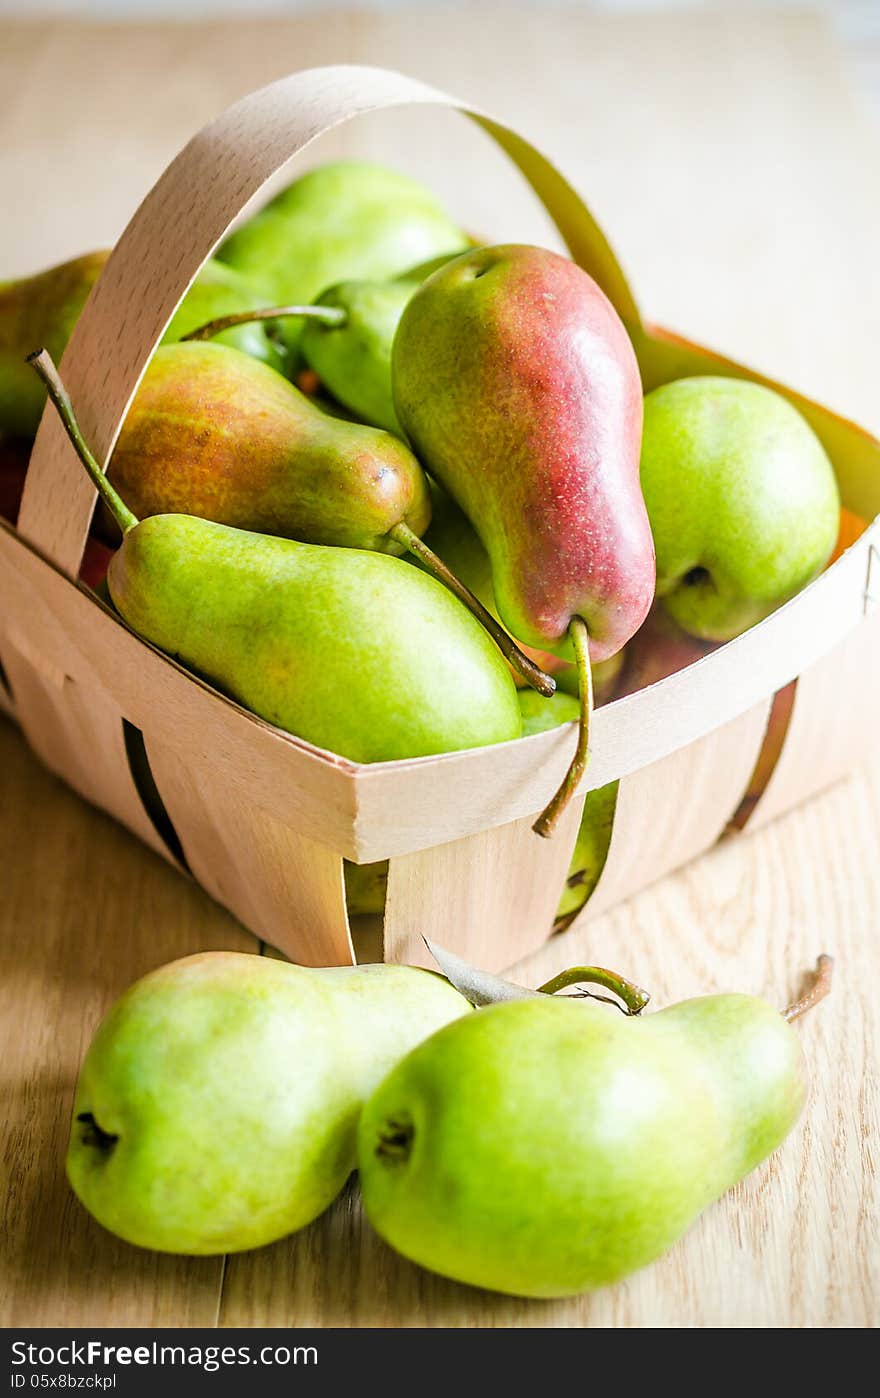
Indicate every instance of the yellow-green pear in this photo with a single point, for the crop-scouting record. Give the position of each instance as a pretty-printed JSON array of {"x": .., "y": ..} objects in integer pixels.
[
  {"x": 217, "y": 1104},
  {"x": 742, "y": 499},
  {"x": 545, "y": 1146}
]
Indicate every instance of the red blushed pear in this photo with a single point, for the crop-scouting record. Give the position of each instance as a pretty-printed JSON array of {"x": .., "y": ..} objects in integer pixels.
[
  {"x": 518, "y": 387},
  {"x": 214, "y": 433}
]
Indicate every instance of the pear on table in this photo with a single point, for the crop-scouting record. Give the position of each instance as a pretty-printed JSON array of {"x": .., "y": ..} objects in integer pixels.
[
  {"x": 518, "y": 387},
  {"x": 353, "y": 651},
  {"x": 544, "y": 1146},
  {"x": 217, "y": 1105},
  {"x": 742, "y": 498}
]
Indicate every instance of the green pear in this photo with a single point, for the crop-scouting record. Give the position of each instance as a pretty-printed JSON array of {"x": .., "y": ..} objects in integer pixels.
[
  {"x": 217, "y": 1105},
  {"x": 339, "y": 222},
  {"x": 212, "y": 432},
  {"x": 742, "y": 499},
  {"x": 43, "y": 309},
  {"x": 353, "y": 651},
  {"x": 539, "y": 715},
  {"x": 353, "y": 359},
  {"x": 545, "y": 1146},
  {"x": 366, "y": 884}
]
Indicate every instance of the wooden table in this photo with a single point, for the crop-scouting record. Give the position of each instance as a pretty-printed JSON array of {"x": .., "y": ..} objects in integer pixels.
[{"x": 731, "y": 161}]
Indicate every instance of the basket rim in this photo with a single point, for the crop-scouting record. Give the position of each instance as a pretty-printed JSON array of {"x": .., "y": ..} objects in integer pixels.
[{"x": 868, "y": 541}]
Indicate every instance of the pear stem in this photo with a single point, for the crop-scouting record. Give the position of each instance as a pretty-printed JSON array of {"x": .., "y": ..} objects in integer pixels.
[
  {"x": 820, "y": 987},
  {"x": 518, "y": 661},
  {"x": 328, "y": 315},
  {"x": 547, "y": 821},
  {"x": 634, "y": 998},
  {"x": 42, "y": 362}
]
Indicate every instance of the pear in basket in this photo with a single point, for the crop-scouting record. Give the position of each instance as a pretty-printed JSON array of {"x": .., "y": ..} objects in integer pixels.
[
  {"x": 742, "y": 498},
  {"x": 519, "y": 389},
  {"x": 214, "y": 433},
  {"x": 217, "y": 1105},
  {"x": 43, "y": 309},
  {"x": 341, "y": 221},
  {"x": 346, "y": 342},
  {"x": 453, "y": 538},
  {"x": 354, "y": 651},
  {"x": 351, "y": 353},
  {"x": 352, "y": 357}
]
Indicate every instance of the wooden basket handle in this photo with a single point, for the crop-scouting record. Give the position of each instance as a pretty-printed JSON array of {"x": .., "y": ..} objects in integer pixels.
[{"x": 180, "y": 224}]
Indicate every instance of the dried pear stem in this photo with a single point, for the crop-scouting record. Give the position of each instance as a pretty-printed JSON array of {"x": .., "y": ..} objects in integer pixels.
[
  {"x": 42, "y": 362},
  {"x": 821, "y": 986},
  {"x": 634, "y": 998},
  {"x": 547, "y": 821},
  {"x": 328, "y": 315},
  {"x": 520, "y": 662}
]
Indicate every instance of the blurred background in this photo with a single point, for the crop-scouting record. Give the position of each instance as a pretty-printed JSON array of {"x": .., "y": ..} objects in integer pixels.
[
  {"x": 857, "y": 22},
  {"x": 715, "y": 141}
]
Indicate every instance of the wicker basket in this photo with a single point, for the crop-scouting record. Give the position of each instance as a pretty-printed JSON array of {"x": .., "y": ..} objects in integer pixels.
[{"x": 265, "y": 819}]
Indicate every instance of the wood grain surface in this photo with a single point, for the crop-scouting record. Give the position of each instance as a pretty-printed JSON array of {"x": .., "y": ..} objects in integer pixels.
[{"x": 731, "y": 163}]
